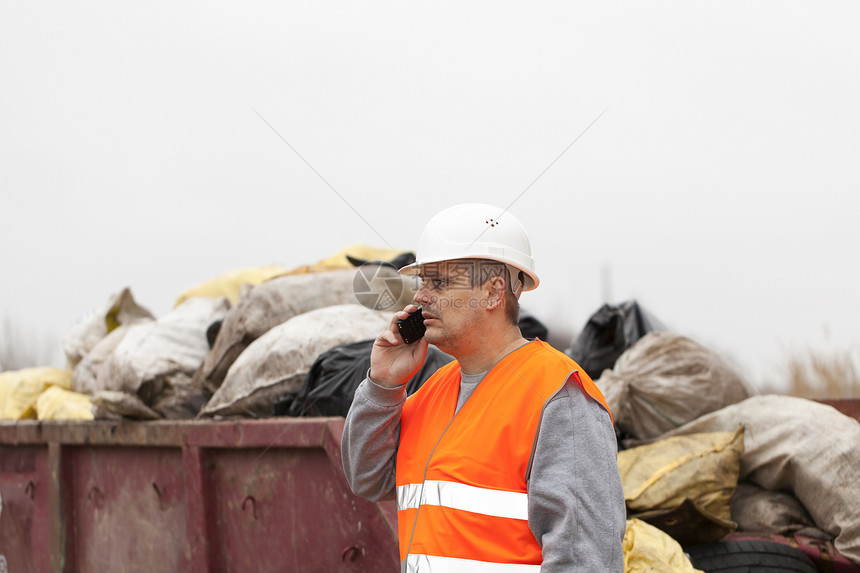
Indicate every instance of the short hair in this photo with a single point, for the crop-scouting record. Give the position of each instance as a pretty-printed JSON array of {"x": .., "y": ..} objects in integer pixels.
[{"x": 482, "y": 270}]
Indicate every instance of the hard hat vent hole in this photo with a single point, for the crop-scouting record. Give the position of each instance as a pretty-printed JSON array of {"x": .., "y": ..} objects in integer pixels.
[{"x": 492, "y": 222}]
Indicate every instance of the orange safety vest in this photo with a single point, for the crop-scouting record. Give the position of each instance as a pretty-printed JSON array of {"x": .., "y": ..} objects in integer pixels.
[{"x": 462, "y": 501}]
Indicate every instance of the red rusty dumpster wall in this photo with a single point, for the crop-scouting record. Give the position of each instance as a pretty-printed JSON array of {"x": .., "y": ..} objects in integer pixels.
[
  {"x": 848, "y": 406},
  {"x": 266, "y": 495}
]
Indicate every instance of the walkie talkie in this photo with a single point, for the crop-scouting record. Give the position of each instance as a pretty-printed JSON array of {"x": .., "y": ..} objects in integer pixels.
[{"x": 412, "y": 327}]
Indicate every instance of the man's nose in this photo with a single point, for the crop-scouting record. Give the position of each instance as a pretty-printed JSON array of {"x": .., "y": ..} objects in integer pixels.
[{"x": 422, "y": 296}]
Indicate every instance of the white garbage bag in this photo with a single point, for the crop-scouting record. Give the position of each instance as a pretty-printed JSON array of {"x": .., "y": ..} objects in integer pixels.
[{"x": 277, "y": 363}]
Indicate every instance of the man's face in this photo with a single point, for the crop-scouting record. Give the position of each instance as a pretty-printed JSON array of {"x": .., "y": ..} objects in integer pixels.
[{"x": 451, "y": 306}]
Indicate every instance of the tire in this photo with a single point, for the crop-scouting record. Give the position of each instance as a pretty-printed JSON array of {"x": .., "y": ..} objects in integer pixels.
[{"x": 749, "y": 556}]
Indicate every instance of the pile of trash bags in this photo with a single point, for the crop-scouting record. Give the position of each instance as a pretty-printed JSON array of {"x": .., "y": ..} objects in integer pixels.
[
  {"x": 704, "y": 461},
  {"x": 232, "y": 346},
  {"x": 701, "y": 458},
  {"x": 251, "y": 343}
]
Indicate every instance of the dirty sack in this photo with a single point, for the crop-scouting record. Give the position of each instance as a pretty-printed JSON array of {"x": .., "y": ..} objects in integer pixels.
[
  {"x": 801, "y": 446},
  {"x": 121, "y": 308},
  {"x": 267, "y": 305},
  {"x": 172, "y": 396},
  {"x": 153, "y": 351},
  {"x": 176, "y": 398},
  {"x": 608, "y": 333},
  {"x": 85, "y": 374},
  {"x": 57, "y": 403},
  {"x": 756, "y": 509},
  {"x": 647, "y": 549},
  {"x": 20, "y": 389},
  {"x": 113, "y": 405},
  {"x": 277, "y": 363},
  {"x": 700, "y": 468},
  {"x": 666, "y": 380},
  {"x": 330, "y": 384}
]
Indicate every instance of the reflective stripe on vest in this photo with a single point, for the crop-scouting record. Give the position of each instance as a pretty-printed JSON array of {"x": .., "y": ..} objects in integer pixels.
[
  {"x": 493, "y": 502},
  {"x": 434, "y": 564}
]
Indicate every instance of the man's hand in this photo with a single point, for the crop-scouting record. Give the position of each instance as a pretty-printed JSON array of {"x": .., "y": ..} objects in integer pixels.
[{"x": 392, "y": 361}]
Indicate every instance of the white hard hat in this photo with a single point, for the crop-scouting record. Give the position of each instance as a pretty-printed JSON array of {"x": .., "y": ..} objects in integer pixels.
[{"x": 475, "y": 230}]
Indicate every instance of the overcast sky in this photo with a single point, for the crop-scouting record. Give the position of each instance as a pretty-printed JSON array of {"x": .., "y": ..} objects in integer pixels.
[{"x": 719, "y": 187}]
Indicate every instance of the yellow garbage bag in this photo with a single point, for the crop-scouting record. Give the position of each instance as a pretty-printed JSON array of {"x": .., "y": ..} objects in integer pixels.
[
  {"x": 340, "y": 261},
  {"x": 650, "y": 550},
  {"x": 702, "y": 467},
  {"x": 56, "y": 403},
  {"x": 19, "y": 389},
  {"x": 230, "y": 283}
]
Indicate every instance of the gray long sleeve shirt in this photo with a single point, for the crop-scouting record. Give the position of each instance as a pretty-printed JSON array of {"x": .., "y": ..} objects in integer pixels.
[{"x": 575, "y": 502}]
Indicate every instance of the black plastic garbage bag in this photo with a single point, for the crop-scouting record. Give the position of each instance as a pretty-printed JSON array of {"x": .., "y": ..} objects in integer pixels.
[
  {"x": 397, "y": 262},
  {"x": 608, "y": 333},
  {"x": 331, "y": 382},
  {"x": 531, "y": 328}
]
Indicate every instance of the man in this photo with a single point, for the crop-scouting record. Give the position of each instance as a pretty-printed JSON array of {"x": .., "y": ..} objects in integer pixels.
[{"x": 505, "y": 459}]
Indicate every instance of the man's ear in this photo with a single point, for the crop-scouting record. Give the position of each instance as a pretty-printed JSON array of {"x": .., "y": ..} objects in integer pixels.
[{"x": 496, "y": 292}]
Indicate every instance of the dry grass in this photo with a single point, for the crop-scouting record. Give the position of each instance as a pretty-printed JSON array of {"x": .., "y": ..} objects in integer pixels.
[{"x": 822, "y": 375}]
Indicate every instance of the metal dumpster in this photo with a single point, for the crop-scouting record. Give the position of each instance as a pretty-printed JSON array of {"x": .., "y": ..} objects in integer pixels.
[{"x": 207, "y": 496}]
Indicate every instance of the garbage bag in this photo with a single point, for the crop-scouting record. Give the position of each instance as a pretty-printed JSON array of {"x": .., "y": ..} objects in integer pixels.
[
  {"x": 154, "y": 350},
  {"x": 230, "y": 284},
  {"x": 85, "y": 374},
  {"x": 760, "y": 510},
  {"x": 330, "y": 385},
  {"x": 688, "y": 523},
  {"x": 531, "y": 327},
  {"x": 57, "y": 403},
  {"x": 650, "y": 550},
  {"x": 801, "y": 446},
  {"x": 111, "y": 404},
  {"x": 397, "y": 262},
  {"x": 701, "y": 467},
  {"x": 176, "y": 398},
  {"x": 664, "y": 381},
  {"x": 277, "y": 363},
  {"x": 19, "y": 390},
  {"x": 356, "y": 255},
  {"x": 121, "y": 308},
  {"x": 608, "y": 333},
  {"x": 270, "y": 304}
]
